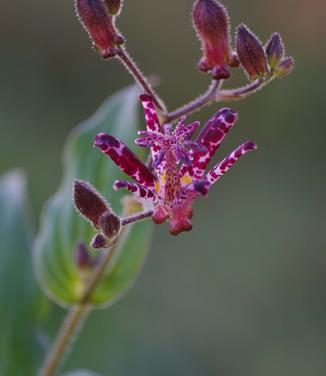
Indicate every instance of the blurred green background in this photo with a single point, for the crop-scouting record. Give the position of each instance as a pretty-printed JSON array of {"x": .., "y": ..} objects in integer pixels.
[{"x": 245, "y": 292}]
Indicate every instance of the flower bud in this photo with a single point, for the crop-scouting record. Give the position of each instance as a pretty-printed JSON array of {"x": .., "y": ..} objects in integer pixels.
[
  {"x": 83, "y": 260},
  {"x": 285, "y": 67},
  {"x": 94, "y": 16},
  {"x": 110, "y": 225},
  {"x": 89, "y": 202},
  {"x": 274, "y": 50},
  {"x": 114, "y": 6},
  {"x": 211, "y": 21},
  {"x": 99, "y": 241},
  {"x": 251, "y": 53}
]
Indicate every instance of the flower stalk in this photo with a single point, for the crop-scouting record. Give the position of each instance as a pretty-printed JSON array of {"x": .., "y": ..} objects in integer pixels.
[
  {"x": 169, "y": 189},
  {"x": 78, "y": 313}
]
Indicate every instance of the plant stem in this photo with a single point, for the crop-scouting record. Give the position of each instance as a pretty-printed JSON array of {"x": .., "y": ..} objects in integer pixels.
[
  {"x": 133, "y": 69},
  {"x": 76, "y": 314},
  {"x": 196, "y": 104},
  {"x": 68, "y": 329},
  {"x": 136, "y": 217},
  {"x": 213, "y": 94}
]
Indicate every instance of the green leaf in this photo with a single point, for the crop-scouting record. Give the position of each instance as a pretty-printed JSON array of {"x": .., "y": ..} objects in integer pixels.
[
  {"x": 19, "y": 293},
  {"x": 61, "y": 227}
]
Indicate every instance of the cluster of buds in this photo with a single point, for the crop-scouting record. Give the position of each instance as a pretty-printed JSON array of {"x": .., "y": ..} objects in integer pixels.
[
  {"x": 98, "y": 18},
  {"x": 259, "y": 61},
  {"x": 94, "y": 208},
  {"x": 211, "y": 21}
]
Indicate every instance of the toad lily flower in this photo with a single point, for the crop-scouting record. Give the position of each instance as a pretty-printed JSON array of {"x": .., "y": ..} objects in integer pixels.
[{"x": 177, "y": 176}]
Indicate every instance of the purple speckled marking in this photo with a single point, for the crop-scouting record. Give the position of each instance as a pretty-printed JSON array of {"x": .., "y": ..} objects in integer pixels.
[
  {"x": 139, "y": 190},
  {"x": 221, "y": 168},
  {"x": 211, "y": 137},
  {"x": 124, "y": 158}
]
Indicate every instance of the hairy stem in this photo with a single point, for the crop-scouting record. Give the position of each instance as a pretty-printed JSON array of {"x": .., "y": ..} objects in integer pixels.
[
  {"x": 133, "y": 69},
  {"x": 196, "y": 104},
  {"x": 137, "y": 217},
  {"x": 214, "y": 94}
]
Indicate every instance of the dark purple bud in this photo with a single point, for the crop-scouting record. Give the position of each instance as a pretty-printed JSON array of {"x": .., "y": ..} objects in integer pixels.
[
  {"x": 285, "y": 67},
  {"x": 251, "y": 53},
  {"x": 110, "y": 225},
  {"x": 159, "y": 158},
  {"x": 89, "y": 202},
  {"x": 83, "y": 259},
  {"x": 211, "y": 22},
  {"x": 93, "y": 15},
  {"x": 274, "y": 50},
  {"x": 99, "y": 242},
  {"x": 114, "y": 6}
]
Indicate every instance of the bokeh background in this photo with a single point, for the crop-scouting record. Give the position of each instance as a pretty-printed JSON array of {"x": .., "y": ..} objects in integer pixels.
[{"x": 245, "y": 292}]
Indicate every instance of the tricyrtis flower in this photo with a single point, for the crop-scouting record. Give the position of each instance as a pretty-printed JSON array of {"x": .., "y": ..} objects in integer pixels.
[{"x": 177, "y": 175}]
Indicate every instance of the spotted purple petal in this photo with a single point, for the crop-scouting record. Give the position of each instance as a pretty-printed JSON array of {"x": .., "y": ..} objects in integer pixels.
[
  {"x": 125, "y": 159},
  {"x": 137, "y": 189},
  {"x": 211, "y": 137},
  {"x": 221, "y": 168}
]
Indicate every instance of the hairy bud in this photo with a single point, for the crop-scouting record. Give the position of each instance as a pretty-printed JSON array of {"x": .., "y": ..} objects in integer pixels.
[
  {"x": 285, "y": 67},
  {"x": 94, "y": 16},
  {"x": 251, "y": 53},
  {"x": 99, "y": 241},
  {"x": 274, "y": 50},
  {"x": 211, "y": 21},
  {"x": 114, "y": 6},
  {"x": 83, "y": 260},
  {"x": 89, "y": 202},
  {"x": 110, "y": 225}
]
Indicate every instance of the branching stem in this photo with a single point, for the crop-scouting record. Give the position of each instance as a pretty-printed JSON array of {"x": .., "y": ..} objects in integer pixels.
[{"x": 214, "y": 94}]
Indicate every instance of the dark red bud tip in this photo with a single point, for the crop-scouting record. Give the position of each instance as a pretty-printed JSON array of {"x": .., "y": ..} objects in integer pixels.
[
  {"x": 89, "y": 202},
  {"x": 285, "y": 67},
  {"x": 94, "y": 16},
  {"x": 110, "y": 225},
  {"x": 251, "y": 53},
  {"x": 114, "y": 6},
  {"x": 211, "y": 22},
  {"x": 99, "y": 241},
  {"x": 220, "y": 73},
  {"x": 83, "y": 260},
  {"x": 274, "y": 50}
]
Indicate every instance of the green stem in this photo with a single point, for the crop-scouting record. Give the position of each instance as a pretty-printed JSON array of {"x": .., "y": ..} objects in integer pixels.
[
  {"x": 68, "y": 329},
  {"x": 75, "y": 316}
]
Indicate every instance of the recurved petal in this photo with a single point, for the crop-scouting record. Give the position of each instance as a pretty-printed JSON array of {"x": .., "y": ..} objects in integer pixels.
[
  {"x": 221, "y": 168},
  {"x": 152, "y": 121},
  {"x": 211, "y": 137},
  {"x": 125, "y": 159}
]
